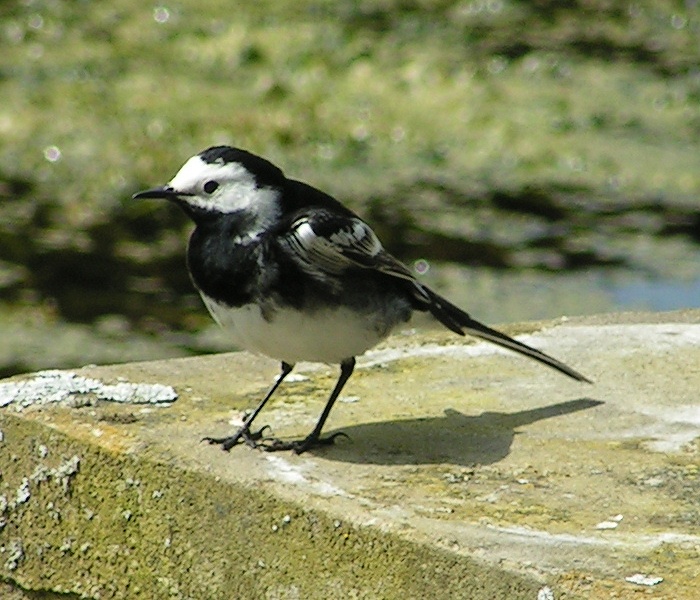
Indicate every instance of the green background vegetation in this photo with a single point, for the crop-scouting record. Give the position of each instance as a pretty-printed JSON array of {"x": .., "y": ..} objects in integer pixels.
[{"x": 539, "y": 135}]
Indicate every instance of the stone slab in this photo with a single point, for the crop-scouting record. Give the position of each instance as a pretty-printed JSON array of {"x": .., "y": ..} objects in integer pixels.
[{"x": 468, "y": 473}]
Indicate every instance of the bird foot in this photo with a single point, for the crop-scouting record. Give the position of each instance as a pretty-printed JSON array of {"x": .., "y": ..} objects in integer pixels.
[
  {"x": 299, "y": 446},
  {"x": 243, "y": 435}
]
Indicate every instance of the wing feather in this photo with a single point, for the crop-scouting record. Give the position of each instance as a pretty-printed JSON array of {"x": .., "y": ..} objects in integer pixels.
[
  {"x": 331, "y": 243},
  {"x": 325, "y": 244}
]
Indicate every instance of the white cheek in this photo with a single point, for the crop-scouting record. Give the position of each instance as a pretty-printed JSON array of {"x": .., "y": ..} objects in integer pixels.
[
  {"x": 237, "y": 191},
  {"x": 243, "y": 196},
  {"x": 229, "y": 198}
]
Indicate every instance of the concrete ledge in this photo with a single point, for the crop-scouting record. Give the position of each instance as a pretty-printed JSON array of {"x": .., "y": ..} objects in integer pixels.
[{"x": 469, "y": 473}]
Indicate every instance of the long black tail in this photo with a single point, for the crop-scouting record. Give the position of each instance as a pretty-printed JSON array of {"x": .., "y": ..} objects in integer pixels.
[{"x": 460, "y": 322}]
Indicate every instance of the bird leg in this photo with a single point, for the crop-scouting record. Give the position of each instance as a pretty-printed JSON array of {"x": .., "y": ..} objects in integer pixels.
[
  {"x": 314, "y": 439},
  {"x": 244, "y": 434}
]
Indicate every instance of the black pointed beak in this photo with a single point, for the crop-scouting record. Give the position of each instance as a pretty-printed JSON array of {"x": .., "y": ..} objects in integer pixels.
[{"x": 164, "y": 192}]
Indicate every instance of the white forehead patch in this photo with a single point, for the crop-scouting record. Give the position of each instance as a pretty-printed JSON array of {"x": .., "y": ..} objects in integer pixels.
[
  {"x": 237, "y": 189},
  {"x": 195, "y": 172}
]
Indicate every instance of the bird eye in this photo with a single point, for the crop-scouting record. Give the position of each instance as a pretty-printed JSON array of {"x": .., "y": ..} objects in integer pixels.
[{"x": 210, "y": 186}]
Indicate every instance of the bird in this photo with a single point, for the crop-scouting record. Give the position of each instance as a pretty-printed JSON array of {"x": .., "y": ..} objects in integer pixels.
[{"x": 291, "y": 273}]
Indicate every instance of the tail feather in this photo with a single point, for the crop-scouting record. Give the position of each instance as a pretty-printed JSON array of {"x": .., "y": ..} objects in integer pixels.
[{"x": 460, "y": 322}]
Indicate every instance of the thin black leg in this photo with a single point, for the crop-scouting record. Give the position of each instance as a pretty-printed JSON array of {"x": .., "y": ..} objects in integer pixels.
[
  {"x": 314, "y": 438},
  {"x": 244, "y": 434}
]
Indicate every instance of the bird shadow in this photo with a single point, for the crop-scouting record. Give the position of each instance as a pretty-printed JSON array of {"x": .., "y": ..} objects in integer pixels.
[{"x": 453, "y": 438}]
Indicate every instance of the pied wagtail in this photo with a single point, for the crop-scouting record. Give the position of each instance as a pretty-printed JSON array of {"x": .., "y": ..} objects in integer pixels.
[{"x": 293, "y": 274}]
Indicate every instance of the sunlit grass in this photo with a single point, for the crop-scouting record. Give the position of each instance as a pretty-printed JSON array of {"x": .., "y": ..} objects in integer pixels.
[{"x": 126, "y": 91}]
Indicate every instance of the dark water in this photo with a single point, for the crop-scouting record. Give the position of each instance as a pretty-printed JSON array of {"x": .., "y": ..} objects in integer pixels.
[
  {"x": 34, "y": 340},
  {"x": 657, "y": 295},
  {"x": 519, "y": 296}
]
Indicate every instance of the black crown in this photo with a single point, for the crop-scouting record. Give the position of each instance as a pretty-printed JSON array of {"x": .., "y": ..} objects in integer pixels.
[{"x": 265, "y": 173}]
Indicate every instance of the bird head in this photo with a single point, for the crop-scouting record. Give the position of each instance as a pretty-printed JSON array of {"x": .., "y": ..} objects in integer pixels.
[{"x": 223, "y": 180}]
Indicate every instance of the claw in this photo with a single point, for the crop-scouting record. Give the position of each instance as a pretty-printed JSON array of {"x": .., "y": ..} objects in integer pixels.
[
  {"x": 299, "y": 446},
  {"x": 243, "y": 435}
]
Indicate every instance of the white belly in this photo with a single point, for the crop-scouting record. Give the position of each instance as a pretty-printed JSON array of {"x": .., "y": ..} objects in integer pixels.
[{"x": 328, "y": 335}]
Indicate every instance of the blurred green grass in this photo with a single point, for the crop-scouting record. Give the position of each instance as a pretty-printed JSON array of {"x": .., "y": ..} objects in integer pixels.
[{"x": 351, "y": 95}]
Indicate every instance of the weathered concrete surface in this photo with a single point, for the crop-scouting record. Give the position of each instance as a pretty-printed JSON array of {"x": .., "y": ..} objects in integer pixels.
[{"x": 469, "y": 473}]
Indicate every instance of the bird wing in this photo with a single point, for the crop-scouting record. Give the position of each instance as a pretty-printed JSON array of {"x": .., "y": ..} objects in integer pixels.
[
  {"x": 325, "y": 244},
  {"x": 328, "y": 243}
]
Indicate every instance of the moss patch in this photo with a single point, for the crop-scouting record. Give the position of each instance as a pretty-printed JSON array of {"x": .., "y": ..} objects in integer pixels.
[{"x": 115, "y": 526}]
